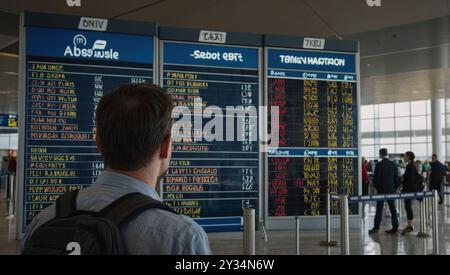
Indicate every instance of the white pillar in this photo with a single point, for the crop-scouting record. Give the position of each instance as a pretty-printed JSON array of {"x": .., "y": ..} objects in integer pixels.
[{"x": 436, "y": 127}]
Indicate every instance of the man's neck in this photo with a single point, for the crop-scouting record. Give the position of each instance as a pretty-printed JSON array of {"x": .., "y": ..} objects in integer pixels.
[{"x": 142, "y": 175}]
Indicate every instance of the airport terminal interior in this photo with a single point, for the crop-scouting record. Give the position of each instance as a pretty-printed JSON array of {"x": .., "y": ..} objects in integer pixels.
[{"x": 343, "y": 80}]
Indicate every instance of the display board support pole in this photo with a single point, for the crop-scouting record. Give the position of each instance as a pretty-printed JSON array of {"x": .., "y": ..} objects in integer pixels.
[
  {"x": 345, "y": 234},
  {"x": 249, "y": 231}
]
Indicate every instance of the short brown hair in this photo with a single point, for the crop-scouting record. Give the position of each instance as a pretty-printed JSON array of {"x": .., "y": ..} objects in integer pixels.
[{"x": 132, "y": 123}]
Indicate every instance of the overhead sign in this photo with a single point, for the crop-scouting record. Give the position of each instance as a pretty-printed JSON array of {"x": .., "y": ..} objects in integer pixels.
[
  {"x": 213, "y": 37},
  {"x": 314, "y": 43},
  {"x": 93, "y": 24}
]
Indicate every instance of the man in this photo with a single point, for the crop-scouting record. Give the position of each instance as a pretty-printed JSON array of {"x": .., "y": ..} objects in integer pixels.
[
  {"x": 385, "y": 182},
  {"x": 134, "y": 137},
  {"x": 436, "y": 175}
]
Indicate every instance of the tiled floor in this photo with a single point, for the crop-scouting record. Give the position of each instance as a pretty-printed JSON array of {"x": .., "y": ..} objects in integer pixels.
[
  {"x": 8, "y": 243},
  {"x": 283, "y": 242}
]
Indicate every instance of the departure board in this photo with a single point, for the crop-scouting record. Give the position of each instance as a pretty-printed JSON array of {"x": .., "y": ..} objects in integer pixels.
[
  {"x": 213, "y": 172},
  {"x": 7, "y": 120},
  {"x": 316, "y": 94},
  {"x": 67, "y": 72}
]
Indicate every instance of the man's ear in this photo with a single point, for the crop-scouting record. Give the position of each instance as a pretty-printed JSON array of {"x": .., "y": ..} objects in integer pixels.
[{"x": 166, "y": 147}]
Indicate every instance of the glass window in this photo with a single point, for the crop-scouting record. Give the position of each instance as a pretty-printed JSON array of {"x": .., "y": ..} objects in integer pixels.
[
  {"x": 403, "y": 140},
  {"x": 368, "y": 141},
  {"x": 368, "y": 152},
  {"x": 448, "y": 151},
  {"x": 387, "y": 141},
  {"x": 442, "y": 120},
  {"x": 367, "y": 111},
  {"x": 418, "y": 108},
  {"x": 420, "y": 149},
  {"x": 387, "y": 110},
  {"x": 367, "y": 126},
  {"x": 419, "y": 123},
  {"x": 402, "y": 109},
  {"x": 448, "y": 121},
  {"x": 403, "y": 148},
  {"x": 418, "y": 139},
  {"x": 403, "y": 124},
  {"x": 387, "y": 125},
  {"x": 447, "y": 103}
]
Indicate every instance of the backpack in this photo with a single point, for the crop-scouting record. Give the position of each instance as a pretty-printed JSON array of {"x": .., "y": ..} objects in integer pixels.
[
  {"x": 76, "y": 232},
  {"x": 420, "y": 182}
]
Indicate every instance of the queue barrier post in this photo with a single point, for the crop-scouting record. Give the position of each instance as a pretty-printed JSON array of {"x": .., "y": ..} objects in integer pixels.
[
  {"x": 328, "y": 242},
  {"x": 249, "y": 231},
  {"x": 297, "y": 236},
  {"x": 345, "y": 234},
  {"x": 435, "y": 223}
]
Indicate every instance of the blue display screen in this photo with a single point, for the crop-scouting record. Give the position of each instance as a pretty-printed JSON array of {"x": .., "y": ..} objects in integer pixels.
[
  {"x": 212, "y": 180},
  {"x": 316, "y": 93},
  {"x": 67, "y": 72}
]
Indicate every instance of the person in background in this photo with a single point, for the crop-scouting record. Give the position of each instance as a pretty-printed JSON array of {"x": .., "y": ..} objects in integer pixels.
[
  {"x": 426, "y": 168},
  {"x": 4, "y": 166},
  {"x": 365, "y": 178},
  {"x": 12, "y": 165},
  {"x": 3, "y": 173},
  {"x": 437, "y": 174},
  {"x": 409, "y": 182},
  {"x": 418, "y": 165},
  {"x": 385, "y": 182},
  {"x": 370, "y": 167}
]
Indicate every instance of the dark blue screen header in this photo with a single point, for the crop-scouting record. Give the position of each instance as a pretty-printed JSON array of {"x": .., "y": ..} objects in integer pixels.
[
  {"x": 209, "y": 55},
  {"x": 88, "y": 45},
  {"x": 311, "y": 61}
]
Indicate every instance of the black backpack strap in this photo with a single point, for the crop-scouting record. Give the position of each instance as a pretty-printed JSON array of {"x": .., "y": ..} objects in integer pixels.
[
  {"x": 129, "y": 206},
  {"x": 66, "y": 204}
]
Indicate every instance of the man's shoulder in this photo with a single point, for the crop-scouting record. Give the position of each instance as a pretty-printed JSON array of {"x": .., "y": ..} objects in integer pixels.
[
  {"x": 168, "y": 233},
  {"x": 164, "y": 220}
]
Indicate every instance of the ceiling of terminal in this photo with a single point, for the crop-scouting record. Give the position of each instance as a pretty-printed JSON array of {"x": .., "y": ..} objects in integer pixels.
[{"x": 385, "y": 71}]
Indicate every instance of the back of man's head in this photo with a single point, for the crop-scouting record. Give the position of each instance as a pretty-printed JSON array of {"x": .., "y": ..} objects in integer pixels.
[
  {"x": 383, "y": 153},
  {"x": 434, "y": 157},
  {"x": 132, "y": 123}
]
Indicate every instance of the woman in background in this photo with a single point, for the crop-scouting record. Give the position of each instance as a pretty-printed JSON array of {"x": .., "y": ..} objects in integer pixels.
[{"x": 409, "y": 180}]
